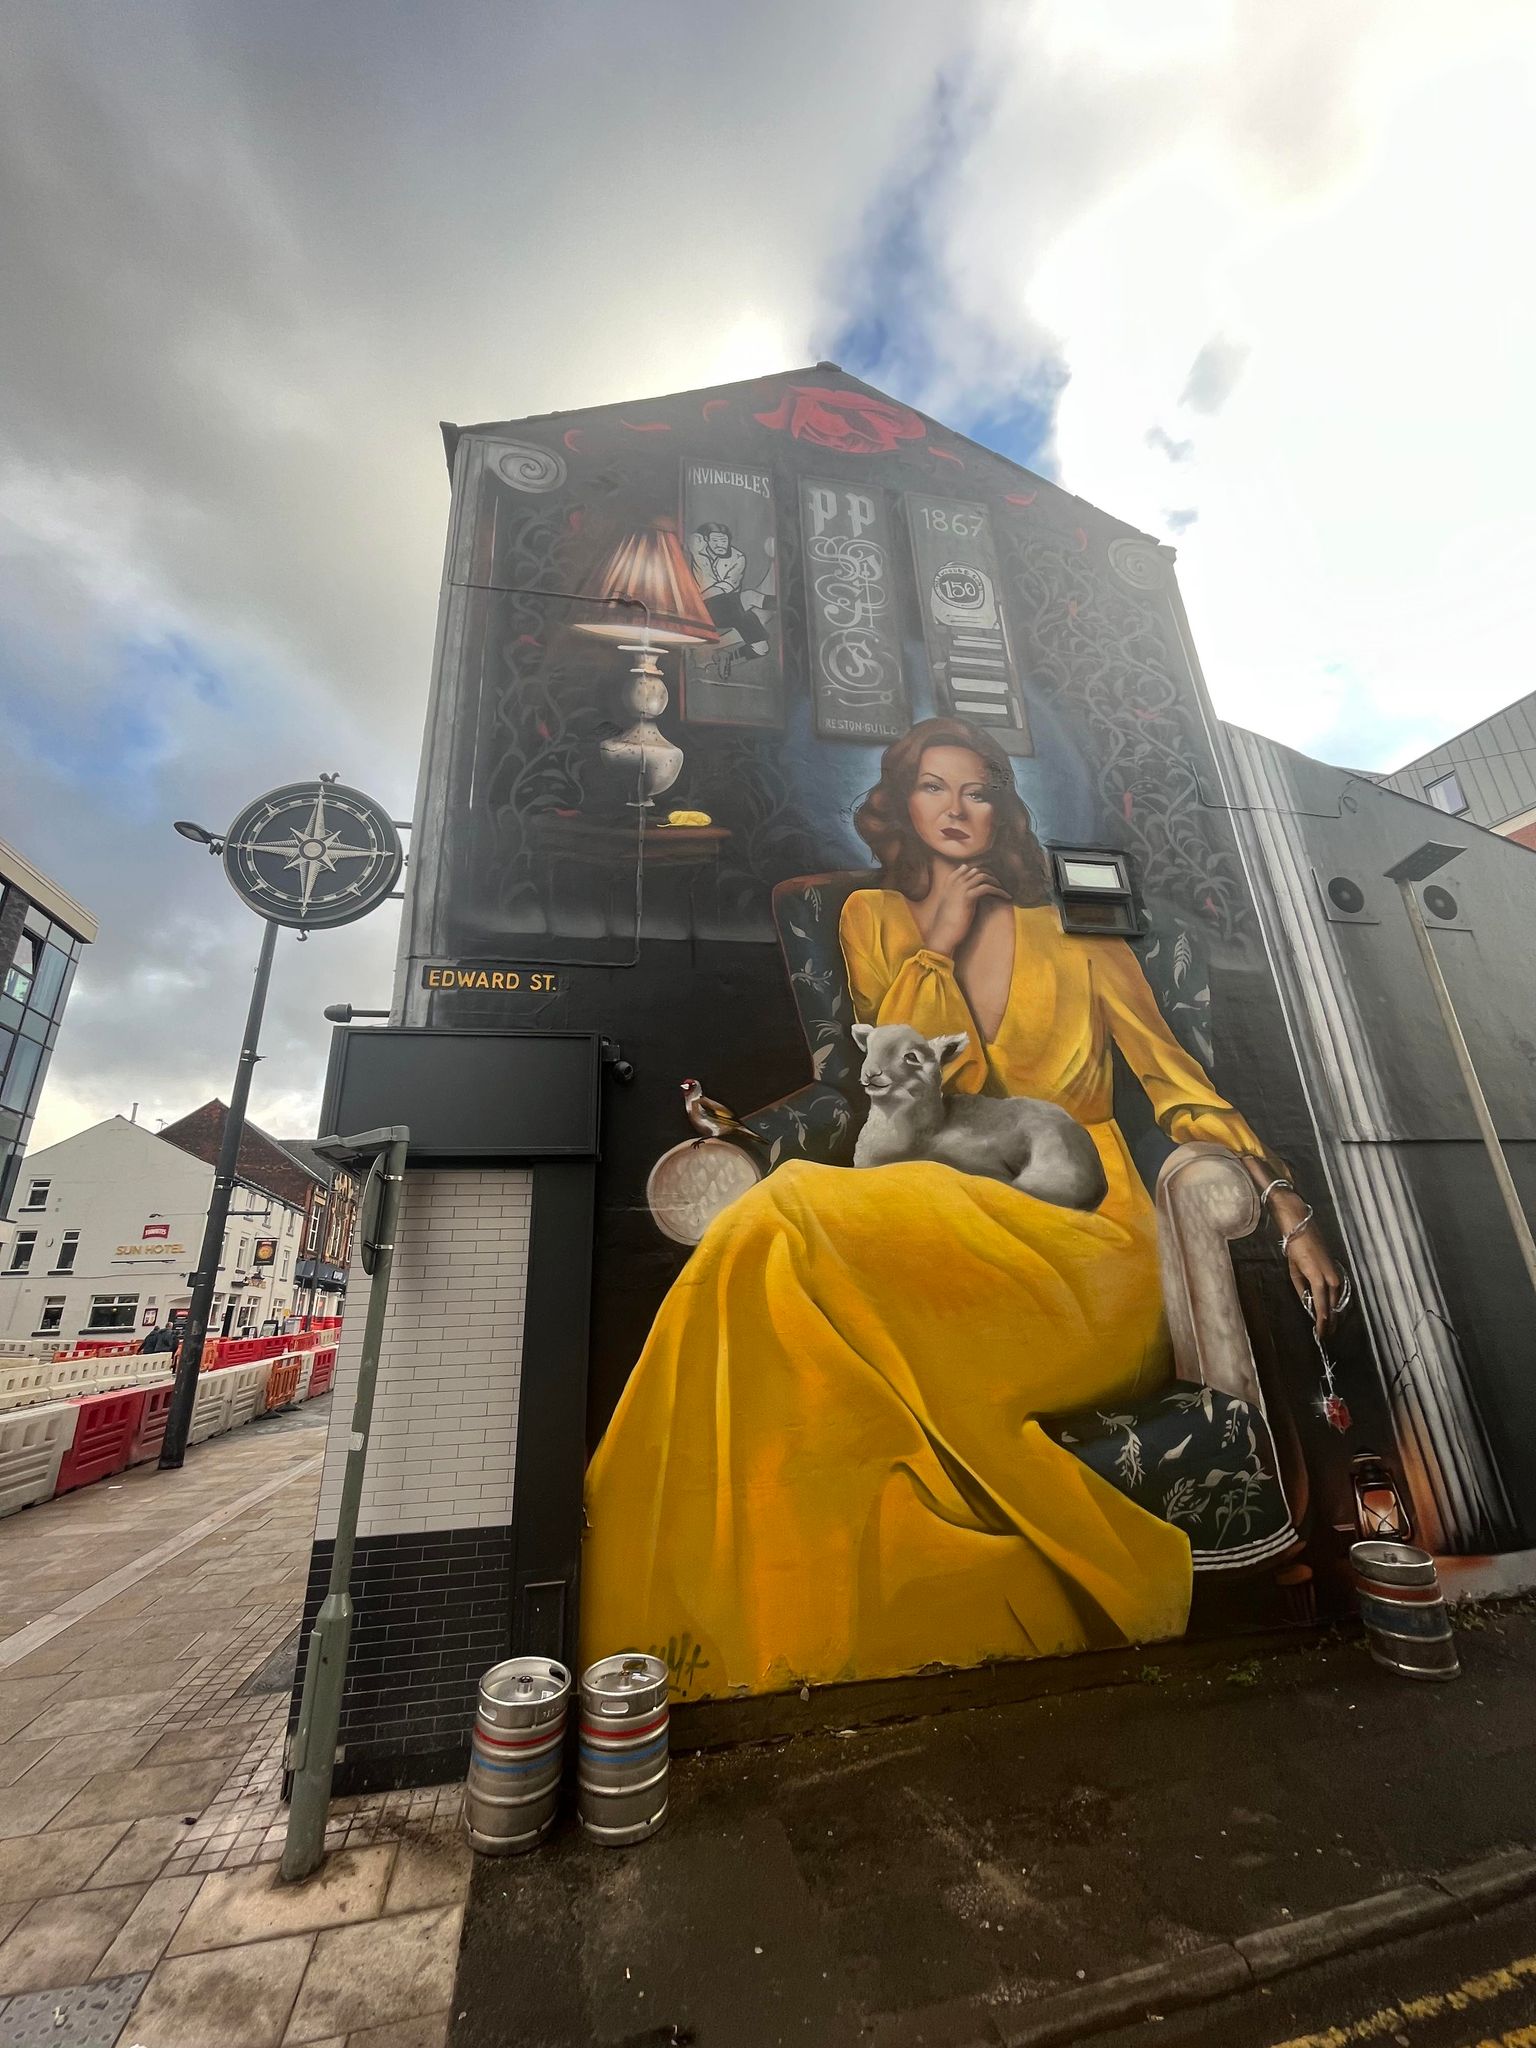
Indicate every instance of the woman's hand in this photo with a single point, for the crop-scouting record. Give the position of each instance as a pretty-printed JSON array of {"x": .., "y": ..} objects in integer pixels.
[
  {"x": 951, "y": 905},
  {"x": 1307, "y": 1256}
]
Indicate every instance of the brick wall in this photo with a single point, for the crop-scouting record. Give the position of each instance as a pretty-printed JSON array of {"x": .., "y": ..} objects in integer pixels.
[
  {"x": 445, "y": 1411},
  {"x": 431, "y": 1582},
  {"x": 431, "y": 1613}
]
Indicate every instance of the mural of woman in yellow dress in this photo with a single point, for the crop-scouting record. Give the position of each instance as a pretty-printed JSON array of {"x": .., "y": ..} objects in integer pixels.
[{"x": 827, "y": 1464}]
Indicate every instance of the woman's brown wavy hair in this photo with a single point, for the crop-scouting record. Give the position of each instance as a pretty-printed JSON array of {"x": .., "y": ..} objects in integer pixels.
[{"x": 1015, "y": 859}]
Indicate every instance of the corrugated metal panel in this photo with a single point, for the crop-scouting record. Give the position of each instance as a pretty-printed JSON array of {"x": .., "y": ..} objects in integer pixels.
[
  {"x": 1504, "y": 732},
  {"x": 1495, "y": 791},
  {"x": 1505, "y": 783},
  {"x": 1496, "y": 736}
]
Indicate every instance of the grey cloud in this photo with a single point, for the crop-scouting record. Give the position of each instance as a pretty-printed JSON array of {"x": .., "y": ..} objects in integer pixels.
[
  {"x": 1051, "y": 133},
  {"x": 1213, "y": 375},
  {"x": 252, "y": 256},
  {"x": 1163, "y": 441}
]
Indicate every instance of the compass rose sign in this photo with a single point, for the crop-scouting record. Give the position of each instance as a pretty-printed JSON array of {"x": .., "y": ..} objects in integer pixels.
[{"x": 313, "y": 854}]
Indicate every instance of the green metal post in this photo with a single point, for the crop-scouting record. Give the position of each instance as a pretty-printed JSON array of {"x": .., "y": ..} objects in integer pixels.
[{"x": 313, "y": 1757}]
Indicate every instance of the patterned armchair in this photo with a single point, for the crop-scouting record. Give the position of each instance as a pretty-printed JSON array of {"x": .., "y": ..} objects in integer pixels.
[{"x": 1201, "y": 1454}]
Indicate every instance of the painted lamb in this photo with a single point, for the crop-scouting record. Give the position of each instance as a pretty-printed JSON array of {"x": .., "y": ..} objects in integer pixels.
[{"x": 1034, "y": 1145}]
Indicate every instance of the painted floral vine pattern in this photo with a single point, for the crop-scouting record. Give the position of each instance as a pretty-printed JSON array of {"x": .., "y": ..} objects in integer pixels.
[{"x": 1101, "y": 655}]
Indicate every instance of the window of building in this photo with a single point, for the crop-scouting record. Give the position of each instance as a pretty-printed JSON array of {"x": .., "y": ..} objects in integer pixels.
[
  {"x": 48, "y": 980},
  {"x": 284, "y": 1274},
  {"x": 113, "y": 1312},
  {"x": 52, "y": 1315},
  {"x": 69, "y": 1246},
  {"x": 37, "y": 1195},
  {"x": 243, "y": 1261},
  {"x": 21, "y": 1072},
  {"x": 1094, "y": 892},
  {"x": 23, "y": 1247},
  {"x": 1445, "y": 794}
]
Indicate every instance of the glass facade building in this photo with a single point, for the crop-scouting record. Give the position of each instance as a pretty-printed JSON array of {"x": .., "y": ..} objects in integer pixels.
[{"x": 43, "y": 932}]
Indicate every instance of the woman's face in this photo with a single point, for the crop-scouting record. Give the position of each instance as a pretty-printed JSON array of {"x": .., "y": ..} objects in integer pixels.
[{"x": 951, "y": 805}]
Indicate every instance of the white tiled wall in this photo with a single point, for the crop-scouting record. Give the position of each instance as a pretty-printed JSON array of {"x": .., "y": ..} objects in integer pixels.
[{"x": 445, "y": 1416}]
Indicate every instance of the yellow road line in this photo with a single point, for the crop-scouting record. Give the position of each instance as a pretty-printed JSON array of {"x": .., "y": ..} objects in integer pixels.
[{"x": 1471, "y": 1991}]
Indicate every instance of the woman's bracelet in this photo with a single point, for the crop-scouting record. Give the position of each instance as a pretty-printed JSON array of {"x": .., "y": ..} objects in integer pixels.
[
  {"x": 1287, "y": 1236},
  {"x": 1304, "y": 1224}
]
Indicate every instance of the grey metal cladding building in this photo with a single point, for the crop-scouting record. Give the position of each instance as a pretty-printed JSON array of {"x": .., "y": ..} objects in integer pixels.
[{"x": 1486, "y": 774}]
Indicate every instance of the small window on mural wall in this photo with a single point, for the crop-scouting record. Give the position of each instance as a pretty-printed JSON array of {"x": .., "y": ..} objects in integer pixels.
[
  {"x": 1093, "y": 890},
  {"x": 1446, "y": 795}
]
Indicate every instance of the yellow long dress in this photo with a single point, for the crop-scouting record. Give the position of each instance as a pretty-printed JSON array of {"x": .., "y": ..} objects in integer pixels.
[{"x": 825, "y": 1464}]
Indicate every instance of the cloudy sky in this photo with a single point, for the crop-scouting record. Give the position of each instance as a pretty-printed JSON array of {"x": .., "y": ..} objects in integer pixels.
[{"x": 1253, "y": 274}]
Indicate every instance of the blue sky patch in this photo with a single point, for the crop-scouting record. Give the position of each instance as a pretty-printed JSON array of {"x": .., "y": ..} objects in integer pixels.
[
  {"x": 896, "y": 329},
  {"x": 112, "y": 736}
]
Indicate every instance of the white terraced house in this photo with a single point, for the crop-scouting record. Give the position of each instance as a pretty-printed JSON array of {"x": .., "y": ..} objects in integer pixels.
[{"x": 107, "y": 1229}]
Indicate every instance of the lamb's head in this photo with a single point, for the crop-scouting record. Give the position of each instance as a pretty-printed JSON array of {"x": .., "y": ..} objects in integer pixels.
[{"x": 900, "y": 1065}]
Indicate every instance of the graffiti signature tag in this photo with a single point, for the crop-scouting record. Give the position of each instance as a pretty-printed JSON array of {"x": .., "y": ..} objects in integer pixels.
[{"x": 684, "y": 1659}]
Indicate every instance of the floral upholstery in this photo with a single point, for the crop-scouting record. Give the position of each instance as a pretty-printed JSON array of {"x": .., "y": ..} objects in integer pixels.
[
  {"x": 821, "y": 1120},
  {"x": 1192, "y": 1456},
  {"x": 1199, "y": 1459}
]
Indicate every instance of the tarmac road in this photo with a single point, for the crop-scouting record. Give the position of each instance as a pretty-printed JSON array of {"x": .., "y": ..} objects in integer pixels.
[
  {"x": 945, "y": 1881},
  {"x": 1463, "y": 1986}
]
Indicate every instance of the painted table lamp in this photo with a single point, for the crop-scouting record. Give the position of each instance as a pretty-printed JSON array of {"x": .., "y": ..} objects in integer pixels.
[{"x": 651, "y": 602}]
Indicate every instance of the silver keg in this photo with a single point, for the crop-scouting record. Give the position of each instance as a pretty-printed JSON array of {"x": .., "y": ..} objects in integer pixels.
[
  {"x": 515, "y": 1755},
  {"x": 1406, "y": 1623},
  {"x": 621, "y": 1771}
]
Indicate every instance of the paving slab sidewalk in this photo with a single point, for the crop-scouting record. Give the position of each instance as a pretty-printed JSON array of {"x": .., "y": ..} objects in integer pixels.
[
  {"x": 941, "y": 1882},
  {"x": 145, "y": 1628}
]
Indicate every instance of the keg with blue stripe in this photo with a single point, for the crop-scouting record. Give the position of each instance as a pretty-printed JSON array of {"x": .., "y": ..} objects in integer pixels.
[
  {"x": 1403, "y": 1609},
  {"x": 621, "y": 1775},
  {"x": 513, "y": 1789}
]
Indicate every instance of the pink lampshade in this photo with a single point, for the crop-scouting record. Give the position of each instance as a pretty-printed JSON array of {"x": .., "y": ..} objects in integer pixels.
[{"x": 649, "y": 565}]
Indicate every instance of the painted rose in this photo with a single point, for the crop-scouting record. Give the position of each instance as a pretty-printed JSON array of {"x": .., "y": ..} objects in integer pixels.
[{"x": 846, "y": 420}]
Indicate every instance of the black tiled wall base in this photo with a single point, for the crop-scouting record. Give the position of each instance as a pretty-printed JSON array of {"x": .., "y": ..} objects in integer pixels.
[{"x": 431, "y": 1611}]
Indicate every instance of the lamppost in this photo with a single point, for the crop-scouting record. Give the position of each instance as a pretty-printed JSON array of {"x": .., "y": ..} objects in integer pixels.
[
  {"x": 309, "y": 855},
  {"x": 1418, "y": 866},
  {"x": 313, "y": 1755}
]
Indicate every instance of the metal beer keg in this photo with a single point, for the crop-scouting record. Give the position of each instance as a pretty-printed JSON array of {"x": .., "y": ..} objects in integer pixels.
[
  {"x": 1403, "y": 1609},
  {"x": 621, "y": 1774},
  {"x": 513, "y": 1788}
]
